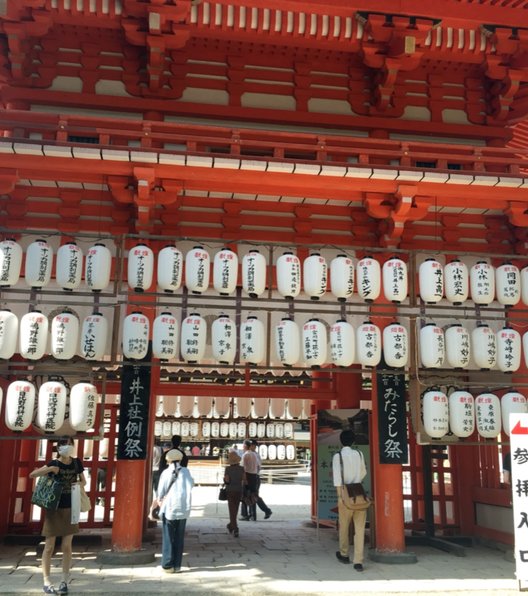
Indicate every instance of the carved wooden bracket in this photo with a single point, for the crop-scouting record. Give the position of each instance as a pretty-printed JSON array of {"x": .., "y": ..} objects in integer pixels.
[
  {"x": 8, "y": 180},
  {"x": 517, "y": 214}
]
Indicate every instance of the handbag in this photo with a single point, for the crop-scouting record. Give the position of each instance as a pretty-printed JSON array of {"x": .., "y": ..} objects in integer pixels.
[
  {"x": 354, "y": 495},
  {"x": 47, "y": 493},
  {"x": 86, "y": 504},
  {"x": 222, "y": 494}
]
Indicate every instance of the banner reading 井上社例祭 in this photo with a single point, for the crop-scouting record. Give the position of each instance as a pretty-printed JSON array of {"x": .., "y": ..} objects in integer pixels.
[{"x": 330, "y": 424}]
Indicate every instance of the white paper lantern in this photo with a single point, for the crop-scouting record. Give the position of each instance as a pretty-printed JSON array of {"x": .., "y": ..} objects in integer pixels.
[
  {"x": 97, "y": 268},
  {"x": 170, "y": 405},
  {"x": 432, "y": 346},
  {"x": 193, "y": 338},
  {"x": 431, "y": 281},
  {"x": 197, "y": 270},
  {"x": 225, "y": 272},
  {"x": 395, "y": 283},
  {"x": 224, "y": 339},
  {"x": 10, "y": 262},
  {"x": 461, "y": 414},
  {"x": 8, "y": 334},
  {"x": 277, "y": 408},
  {"x": 525, "y": 348},
  {"x": 64, "y": 336},
  {"x": 342, "y": 343},
  {"x": 368, "y": 277},
  {"x": 204, "y": 405},
  {"x": 51, "y": 406},
  {"x": 368, "y": 344},
  {"x": 252, "y": 341},
  {"x": 512, "y": 403},
  {"x": 315, "y": 276},
  {"x": 435, "y": 414},
  {"x": 186, "y": 405},
  {"x": 395, "y": 345},
  {"x": 222, "y": 406},
  {"x": 488, "y": 414},
  {"x": 288, "y": 272},
  {"x": 288, "y": 342},
  {"x": 508, "y": 350},
  {"x": 136, "y": 328},
  {"x": 482, "y": 283},
  {"x": 342, "y": 277},
  {"x": 20, "y": 405},
  {"x": 295, "y": 408},
  {"x": 170, "y": 268},
  {"x": 33, "y": 335},
  {"x": 94, "y": 335},
  {"x": 140, "y": 269},
  {"x": 83, "y": 404},
  {"x": 69, "y": 266},
  {"x": 39, "y": 260},
  {"x": 458, "y": 346},
  {"x": 233, "y": 430},
  {"x": 215, "y": 429},
  {"x": 456, "y": 282},
  {"x": 254, "y": 273},
  {"x": 165, "y": 335},
  {"x": 508, "y": 284},
  {"x": 243, "y": 406},
  {"x": 484, "y": 346},
  {"x": 260, "y": 408},
  {"x": 524, "y": 285},
  {"x": 314, "y": 343}
]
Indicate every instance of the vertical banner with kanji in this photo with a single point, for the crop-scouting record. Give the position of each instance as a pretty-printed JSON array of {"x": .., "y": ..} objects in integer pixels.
[
  {"x": 134, "y": 412},
  {"x": 392, "y": 418},
  {"x": 519, "y": 478}
]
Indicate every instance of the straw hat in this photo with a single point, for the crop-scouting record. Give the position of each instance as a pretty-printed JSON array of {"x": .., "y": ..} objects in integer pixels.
[
  {"x": 233, "y": 457},
  {"x": 174, "y": 455}
]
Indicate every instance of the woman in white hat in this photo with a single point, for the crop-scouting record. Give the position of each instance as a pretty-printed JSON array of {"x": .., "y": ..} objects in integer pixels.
[{"x": 174, "y": 500}]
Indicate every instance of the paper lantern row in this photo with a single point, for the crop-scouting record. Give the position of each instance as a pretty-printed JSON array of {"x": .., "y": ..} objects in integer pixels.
[
  {"x": 47, "y": 409},
  {"x": 458, "y": 413},
  {"x": 456, "y": 346}
]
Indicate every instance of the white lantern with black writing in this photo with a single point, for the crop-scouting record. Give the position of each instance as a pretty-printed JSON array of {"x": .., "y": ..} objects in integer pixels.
[
  {"x": 432, "y": 346},
  {"x": 458, "y": 346},
  {"x": 94, "y": 334},
  {"x": 368, "y": 277},
  {"x": 342, "y": 343},
  {"x": 69, "y": 266},
  {"x": 461, "y": 414},
  {"x": 435, "y": 413},
  {"x": 83, "y": 404},
  {"x": 288, "y": 270},
  {"x": 431, "y": 281},
  {"x": 20, "y": 405},
  {"x": 342, "y": 277},
  {"x": 508, "y": 284},
  {"x": 51, "y": 406},
  {"x": 197, "y": 270},
  {"x": 315, "y": 276},
  {"x": 254, "y": 273},
  {"x": 395, "y": 283},
  {"x": 10, "y": 262},
  {"x": 33, "y": 335},
  {"x": 39, "y": 260},
  {"x": 368, "y": 344},
  {"x": 170, "y": 268},
  {"x": 288, "y": 342},
  {"x": 314, "y": 342},
  {"x": 8, "y": 334},
  {"x": 395, "y": 345},
  {"x": 224, "y": 339},
  {"x": 225, "y": 271},
  {"x": 165, "y": 336},
  {"x": 524, "y": 285},
  {"x": 484, "y": 346},
  {"x": 193, "y": 338},
  {"x": 508, "y": 349},
  {"x": 140, "y": 269},
  {"x": 482, "y": 283},
  {"x": 136, "y": 327},
  {"x": 512, "y": 403},
  {"x": 252, "y": 341},
  {"x": 488, "y": 414},
  {"x": 64, "y": 336},
  {"x": 97, "y": 267},
  {"x": 456, "y": 282}
]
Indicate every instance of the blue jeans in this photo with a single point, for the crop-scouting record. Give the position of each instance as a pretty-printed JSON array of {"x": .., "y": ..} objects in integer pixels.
[{"x": 173, "y": 531}]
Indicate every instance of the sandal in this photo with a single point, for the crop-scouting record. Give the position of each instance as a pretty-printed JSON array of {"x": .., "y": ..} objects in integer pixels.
[
  {"x": 49, "y": 589},
  {"x": 63, "y": 588}
]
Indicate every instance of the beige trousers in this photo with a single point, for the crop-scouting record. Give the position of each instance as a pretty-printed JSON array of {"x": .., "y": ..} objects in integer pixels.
[{"x": 346, "y": 517}]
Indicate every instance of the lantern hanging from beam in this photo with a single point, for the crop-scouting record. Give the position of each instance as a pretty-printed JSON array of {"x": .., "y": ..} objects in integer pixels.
[
  {"x": 288, "y": 342},
  {"x": 252, "y": 341},
  {"x": 38, "y": 263},
  {"x": 243, "y": 407},
  {"x": 482, "y": 283},
  {"x": 461, "y": 414},
  {"x": 277, "y": 407},
  {"x": 254, "y": 273},
  {"x": 165, "y": 335},
  {"x": 69, "y": 266},
  {"x": 315, "y": 276},
  {"x": 136, "y": 327},
  {"x": 83, "y": 404},
  {"x": 8, "y": 334},
  {"x": 140, "y": 268},
  {"x": 294, "y": 408},
  {"x": 368, "y": 277},
  {"x": 508, "y": 350},
  {"x": 94, "y": 336},
  {"x": 193, "y": 338},
  {"x": 432, "y": 346},
  {"x": 51, "y": 406},
  {"x": 484, "y": 346},
  {"x": 342, "y": 277},
  {"x": 508, "y": 284},
  {"x": 488, "y": 414},
  {"x": 456, "y": 282},
  {"x": 395, "y": 283},
  {"x": 431, "y": 281},
  {"x": 395, "y": 345},
  {"x": 33, "y": 335},
  {"x": 342, "y": 343},
  {"x": 225, "y": 271},
  {"x": 98, "y": 266},
  {"x": 10, "y": 262},
  {"x": 222, "y": 407},
  {"x": 197, "y": 270},
  {"x": 64, "y": 336},
  {"x": 314, "y": 342},
  {"x": 20, "y": 405},
  {"x": 512, "y": 403},
  {"x": 170, "y": 268},
  {"x": 524, "y": 285},
  {"x": 260, "y": 407},
  {"x": 368, "y": 344},
  {"x": 458, "y": 346},
  {"x": 435, "y": 413},
  {"x": 288, "y": 270},
  {"x": 224, "y": 339}
]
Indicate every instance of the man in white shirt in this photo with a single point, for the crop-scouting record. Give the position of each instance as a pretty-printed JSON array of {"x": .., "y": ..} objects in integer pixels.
[
  {"x": 351, "y": 471},
  {"x": 251, "y": 466}
]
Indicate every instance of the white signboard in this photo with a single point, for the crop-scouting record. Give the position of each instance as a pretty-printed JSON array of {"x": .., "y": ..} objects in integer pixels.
[{"x": 519, "y": 477}]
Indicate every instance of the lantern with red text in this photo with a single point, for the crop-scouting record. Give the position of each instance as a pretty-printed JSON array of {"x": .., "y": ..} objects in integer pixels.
[
  {"x": 431, "y": 281},
  {"x": 197, "y": 270},
  {"x": 432, "y": 346},
  {"x": 165, "y": 335},
  {"x": 252, "y": 341},
  {"x": 10, "y": 262},
  {"x": 140, "y": 269},
  {"x": 482, "y": 283},
  {"x": 254, "y": 273},
  {"x": 224, "y": 339},
  {"x": 69, "y": 266},
  {"x": 170, "y": 268},
  {"x": 456, "y": 282},
  {"x": 368, "y": 344},
  {"x": 315, "y": 275},
  {"x": 20, "y": 405},
  {"x": 288, "y": 342},
  {"x": 39, "y": 260},
  {"x": 458, "y": 346},
  {"x": 508, "y": 350},
  {"x": 484, "y": 346},
  {"x": 488, "y": 414},
  {"x": 342, "y": 343},
  {"x": 97, "y": 267},
  {"x": 395, "y": 345},
  {"x": 288, "y": 270},
  {"x": 512, "y": 403},
  {"x": 435, "y": 413},
  {"x": 342, "y": 277},
  {"x": 33, "y": 335},
  {"x": 395, "y": 283},
  {"x": 94, "y": 335},
  {"x": 508, "y": 284},
  {"x": 64, "y": 336},
  {"x": 225, "y": 271},
  {"x": 193, "y": 338},
  {"x": 368, "y": 277},
  {"x": 314, "y": 343},
  {"x": 461, "y": 414},
  {"x": 83, "y": 403},
  {"x": 8, "y": 334},
  {"x": 51, "y": 406},
  {"x": 136, "y": 329}
]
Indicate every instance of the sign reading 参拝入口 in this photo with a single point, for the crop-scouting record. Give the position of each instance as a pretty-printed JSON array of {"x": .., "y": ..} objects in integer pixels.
[
  {"x": 392, "y": 418},
  {"x": 519, "y": 479}
]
